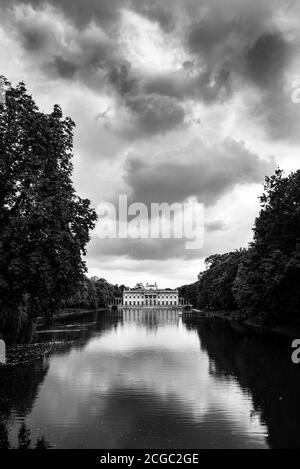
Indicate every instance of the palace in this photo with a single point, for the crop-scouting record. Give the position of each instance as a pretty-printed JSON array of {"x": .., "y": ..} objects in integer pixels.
[{"x": 150, "y": 295}]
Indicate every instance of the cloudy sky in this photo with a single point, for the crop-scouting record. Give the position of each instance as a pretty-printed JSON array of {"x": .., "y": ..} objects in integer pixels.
[{"x": 174, "y": 100}]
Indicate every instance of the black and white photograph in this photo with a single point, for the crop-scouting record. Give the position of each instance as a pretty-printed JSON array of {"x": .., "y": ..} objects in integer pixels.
[{"x": 149, "y": 228}]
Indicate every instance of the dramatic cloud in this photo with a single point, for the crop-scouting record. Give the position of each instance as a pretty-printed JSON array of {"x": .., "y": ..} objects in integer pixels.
[
  {"x": 218, "y": 49},
  {"x": 232, "y": 230},
  {"x": 140, "y": 249},
  {"x": 105, "y": 12},
  {"x": 163, "y": 92},
  {"x": 267, "y": 59},
  {"x": 208, "y": 172},
  {"x": 202, "y": 170},
  {"x": 155, "y": 114}
]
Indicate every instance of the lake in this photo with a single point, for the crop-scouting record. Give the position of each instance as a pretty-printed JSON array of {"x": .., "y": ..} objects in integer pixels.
[{"x": 152, "y": 379}]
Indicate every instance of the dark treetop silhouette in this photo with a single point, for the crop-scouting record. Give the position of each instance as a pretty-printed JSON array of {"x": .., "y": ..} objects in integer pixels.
[
  {"x": 262, "y": 282},
  {"x": 44, "y": 224}
]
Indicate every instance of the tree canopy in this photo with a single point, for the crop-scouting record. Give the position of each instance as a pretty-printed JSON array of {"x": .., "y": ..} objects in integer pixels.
[
  {"x": 44, "y": 224},
  {"x": 262, "y": 281},
  {"x": 93, "y": 293}
]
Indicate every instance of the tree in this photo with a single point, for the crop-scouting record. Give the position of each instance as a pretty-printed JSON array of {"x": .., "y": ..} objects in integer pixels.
[
  {"x": 247, "y": 286},
  {"x": 216, "y": 283},
  {"x": 190, "y": 293},
  {"x": 263, "y": 281},
  {"x": 44, "y": 224},
  {"x": 276, "y": 248},
  {"x": 93, "y": 293},
  {"x": 278, "y": 225}
]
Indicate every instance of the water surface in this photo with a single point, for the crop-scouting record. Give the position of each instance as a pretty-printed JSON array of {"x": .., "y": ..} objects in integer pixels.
[{"x": 153, "y": 379}]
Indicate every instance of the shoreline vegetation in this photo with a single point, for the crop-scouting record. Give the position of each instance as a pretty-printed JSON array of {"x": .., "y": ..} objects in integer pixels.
[
  {"x": 291, "y": 331},
  {"x": 259, "y": 285},
  {"x": 27, "y": 353}
]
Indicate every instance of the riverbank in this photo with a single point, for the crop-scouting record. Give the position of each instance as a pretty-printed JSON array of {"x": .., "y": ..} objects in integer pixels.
[
  {"x": 292, "y": 331},
  {"x": 76, "y": 311},
  {"x": 27, "y": 354},
  {"x": 24, "y": 354}
]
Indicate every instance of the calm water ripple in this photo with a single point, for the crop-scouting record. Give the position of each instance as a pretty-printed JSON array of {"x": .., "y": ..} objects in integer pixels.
[{"x": 153, "y": 379}]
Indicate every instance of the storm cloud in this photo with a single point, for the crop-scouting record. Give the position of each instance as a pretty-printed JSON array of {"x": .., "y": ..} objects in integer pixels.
[
  {"x": 202, "y": 170},
  {"x": 173, "y": 99},
  {"x": 221, "y": 48}
]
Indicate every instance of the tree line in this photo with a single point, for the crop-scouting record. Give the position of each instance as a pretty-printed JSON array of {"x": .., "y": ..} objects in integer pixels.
[
  {"x": 261, "y": 281},
  {"x": 93, "y": 293}
]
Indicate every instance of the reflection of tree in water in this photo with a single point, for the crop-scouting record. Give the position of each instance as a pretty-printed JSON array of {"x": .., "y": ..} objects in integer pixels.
[
  {"x": 4, "y": 442},
  {"x": 262, "y": 364},
  {"x": 19, "y": 389},
  {"x": 77, "y": 326},
  {"x": 24, "y": 439},
  {"x": 25, "y": 442},
  {"x": 20, "y": 384}
]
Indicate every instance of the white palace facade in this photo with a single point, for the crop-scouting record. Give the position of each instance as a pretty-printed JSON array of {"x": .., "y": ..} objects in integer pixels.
[{"x": 150, "y": 295}]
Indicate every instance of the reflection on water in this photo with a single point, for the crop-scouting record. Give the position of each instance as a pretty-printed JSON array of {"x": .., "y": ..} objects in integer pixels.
[{"x": 152, "y": 379}]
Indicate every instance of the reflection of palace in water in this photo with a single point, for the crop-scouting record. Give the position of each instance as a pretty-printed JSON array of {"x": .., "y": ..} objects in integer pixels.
[{"x": 151, "y": 317}]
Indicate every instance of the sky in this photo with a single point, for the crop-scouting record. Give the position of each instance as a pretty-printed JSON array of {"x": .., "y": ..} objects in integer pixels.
[{"x": 173, "y": 100}]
